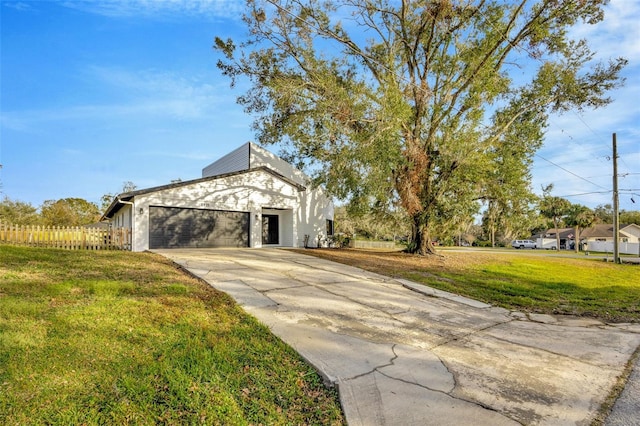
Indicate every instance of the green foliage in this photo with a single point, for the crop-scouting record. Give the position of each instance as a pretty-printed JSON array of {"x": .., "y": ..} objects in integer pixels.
[
  {"x": 107, "y": 199},
  {"x": 604, "y": 213},
  {"x": 63, "y": 212},
  {"x": 395, "y": 105},
  {"x": 629, "y": 217},
  {"x": 127, "y": 338},
  {"x": 18, "y": 212},
  {"x": 554, "y": 209},
  {"x": 579, "y": 216},
  {"x": 69, "y": 212},
  {"x": 377, "y": 225}
]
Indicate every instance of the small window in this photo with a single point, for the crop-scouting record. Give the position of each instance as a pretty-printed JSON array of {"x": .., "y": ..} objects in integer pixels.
[{"x": 329, "y": 227}]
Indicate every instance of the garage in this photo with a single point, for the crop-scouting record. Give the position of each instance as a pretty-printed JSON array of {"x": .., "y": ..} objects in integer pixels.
[
  {"x": 177, "y": 227},
  {"x": 247, "y": 198}
]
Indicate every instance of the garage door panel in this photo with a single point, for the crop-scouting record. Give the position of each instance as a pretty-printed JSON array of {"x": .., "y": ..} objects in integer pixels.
[{"x": 173, "y": 227}]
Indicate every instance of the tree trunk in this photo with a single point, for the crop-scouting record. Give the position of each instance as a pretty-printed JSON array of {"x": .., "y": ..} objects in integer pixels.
[
  {"x": 420, "y": 237},
  {"x": 555, "y": 224},
  {"x": 576, "y": 239}
]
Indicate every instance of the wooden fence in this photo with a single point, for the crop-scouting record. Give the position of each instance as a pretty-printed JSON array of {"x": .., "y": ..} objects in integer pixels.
[{"x": 66, "y": 237}]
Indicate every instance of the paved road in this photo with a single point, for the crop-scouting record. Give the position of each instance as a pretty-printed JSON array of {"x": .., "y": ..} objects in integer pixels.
[
  {"x": 403, "y": 354},
  {"x": 626, "y": 411}
]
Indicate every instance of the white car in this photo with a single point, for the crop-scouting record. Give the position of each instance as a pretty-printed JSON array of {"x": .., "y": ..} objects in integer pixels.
[{"x": 523, "y": 244}]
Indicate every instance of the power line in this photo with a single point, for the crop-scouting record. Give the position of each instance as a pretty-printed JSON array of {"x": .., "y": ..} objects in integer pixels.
[
  {"x": 570, "y": 172},
  {"x": 584, "y": 193}
]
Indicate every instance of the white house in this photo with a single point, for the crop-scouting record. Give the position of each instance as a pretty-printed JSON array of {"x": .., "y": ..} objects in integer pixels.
[
  {"x": 248, "y": 198},
  {"x": 597, "y": 238},
  {"x": 600, "y": 238}
]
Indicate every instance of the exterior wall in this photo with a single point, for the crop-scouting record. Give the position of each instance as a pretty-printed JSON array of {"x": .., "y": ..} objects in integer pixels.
[
  {"x": 261, "y": 157},
  {"x": 247, "y": 192},
  {"x": 256, "y": 192},
  {"x": 626, "y": 235},
  {"x": 632, "y": 232},
  {"x": 123, "y": 218},
  {"x": 301, "y": 212},
  {"x": 315, "y": 210},
  {"x": 250, "y": 156},
  {"x": 234, "y": 161},
  {"x": 629, "y": 242}
]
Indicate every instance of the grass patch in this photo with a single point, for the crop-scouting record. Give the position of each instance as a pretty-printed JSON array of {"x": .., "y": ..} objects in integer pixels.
[
  {"x": 518, "y": 281},
  {"x": 121, "y": 338}
]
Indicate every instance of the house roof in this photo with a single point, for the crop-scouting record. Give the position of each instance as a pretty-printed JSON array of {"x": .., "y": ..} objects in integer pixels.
[
  {"x": 551, "y": 233},
  {"x": 126, "y": 197},
  {"x": 599, "y": 230}
]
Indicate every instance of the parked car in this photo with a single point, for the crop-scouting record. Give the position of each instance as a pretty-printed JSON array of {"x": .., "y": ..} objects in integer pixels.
[{"x": 523, "y": 244}]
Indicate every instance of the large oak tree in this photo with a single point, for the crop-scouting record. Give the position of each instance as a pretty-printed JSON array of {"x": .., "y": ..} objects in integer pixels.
[{"x": 422, "y": 104}]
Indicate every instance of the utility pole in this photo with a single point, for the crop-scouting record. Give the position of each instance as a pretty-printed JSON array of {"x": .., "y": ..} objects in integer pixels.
[{"x": 616, "y": 207}]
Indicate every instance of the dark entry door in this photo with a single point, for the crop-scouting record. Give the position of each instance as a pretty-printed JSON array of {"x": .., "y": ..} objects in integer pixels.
[{"x": 270, "y": 230}]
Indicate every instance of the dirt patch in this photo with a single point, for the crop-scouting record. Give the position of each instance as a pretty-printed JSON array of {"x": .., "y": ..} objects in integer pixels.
[{"x": 390, "y": 262}]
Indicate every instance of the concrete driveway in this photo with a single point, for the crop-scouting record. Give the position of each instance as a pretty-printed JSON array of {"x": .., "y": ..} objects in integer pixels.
[{"x": 403, "y": 354}]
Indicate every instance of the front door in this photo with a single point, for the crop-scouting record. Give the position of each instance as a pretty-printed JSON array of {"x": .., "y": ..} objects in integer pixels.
[{"x": 270, "y": 231}]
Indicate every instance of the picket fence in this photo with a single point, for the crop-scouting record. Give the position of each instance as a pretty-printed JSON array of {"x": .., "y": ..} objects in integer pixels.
[{"x": 66, "y": 237}]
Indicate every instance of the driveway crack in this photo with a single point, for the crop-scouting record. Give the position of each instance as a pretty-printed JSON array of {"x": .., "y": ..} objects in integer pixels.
[
  {"x": 450, "y": 393},
  {"x": 471, "y": 332}
]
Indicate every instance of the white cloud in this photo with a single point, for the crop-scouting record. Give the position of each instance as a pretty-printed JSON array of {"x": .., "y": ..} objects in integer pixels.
[
  {"x": 17, "y": 5},
  {"x": 140, "y": 94},
  {"x": 153, "y": 82},
  {"x": 618, "y": 34},
  {"x": 13, "y": 122},
  {"x": 159, "y": 9},
  {"x": 582, "y": 142}
]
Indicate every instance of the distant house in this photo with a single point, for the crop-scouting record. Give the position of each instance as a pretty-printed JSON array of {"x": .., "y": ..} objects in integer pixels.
[
  {"x": 600, "y": 238},
  {"x": 604, "y": 232},
  {"x": 548, "y": 240},
  {"x": 248, "y": 198},
  {"x": 596, "y": 238}
]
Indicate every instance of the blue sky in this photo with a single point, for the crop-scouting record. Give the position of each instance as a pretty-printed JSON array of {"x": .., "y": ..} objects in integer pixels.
[{"x": 96, "y": 93}]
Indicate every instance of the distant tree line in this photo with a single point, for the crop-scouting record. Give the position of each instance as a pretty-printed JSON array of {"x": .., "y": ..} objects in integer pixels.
[
  {"x": 493, "y": 228},
  {"x": 62, "y": 212}
]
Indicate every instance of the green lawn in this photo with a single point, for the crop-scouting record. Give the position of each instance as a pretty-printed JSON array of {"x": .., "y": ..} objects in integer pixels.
[
  {"x": 128, "y": 338},
  {"x": 563, "y": 286},
  {"x": 525, "y": 281}
]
